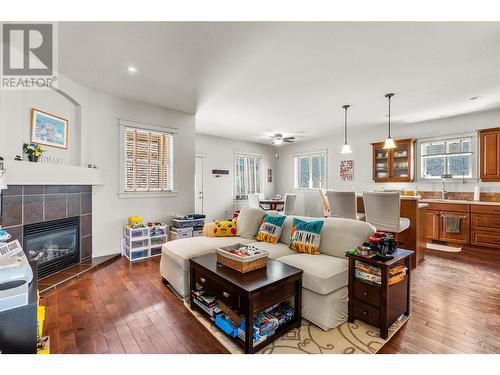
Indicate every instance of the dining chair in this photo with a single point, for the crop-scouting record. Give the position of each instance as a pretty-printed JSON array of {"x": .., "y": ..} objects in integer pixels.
[
  {"x": 343, "y": 204},
  {"x": 253, "y": 200},
  {"x": 324, "y": 201},
  {"x": 382, "y": 210},
  {"x": 289, "y": 207}
]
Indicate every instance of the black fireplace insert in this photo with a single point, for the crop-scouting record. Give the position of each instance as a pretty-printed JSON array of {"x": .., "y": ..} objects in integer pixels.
[{"x": 54, "y": 244}]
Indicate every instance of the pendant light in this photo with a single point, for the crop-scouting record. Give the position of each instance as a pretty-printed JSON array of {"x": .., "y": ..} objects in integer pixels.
[
  {"x": 389, "y": 142},
  {"x": 346, "y": 149}
]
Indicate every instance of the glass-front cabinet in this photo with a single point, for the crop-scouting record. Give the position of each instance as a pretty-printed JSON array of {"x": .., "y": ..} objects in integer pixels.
[{"x": 396, "y": 165}]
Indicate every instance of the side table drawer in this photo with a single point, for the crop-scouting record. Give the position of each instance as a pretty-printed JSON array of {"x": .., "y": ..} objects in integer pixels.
[
  {"x": 229, "y": 297},
  {"x": 366, "y": 293},
  {"x": 366, "y": 313},
  {"x": 205, "y": 281}
]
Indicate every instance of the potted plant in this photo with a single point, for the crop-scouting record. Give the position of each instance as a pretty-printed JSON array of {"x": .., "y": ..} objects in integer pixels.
[{"x": 33, "y": 151}]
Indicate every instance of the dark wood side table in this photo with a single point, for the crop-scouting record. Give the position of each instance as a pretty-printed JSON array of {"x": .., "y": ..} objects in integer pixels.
[
  {"x": 249, "y": 293},
  {"x": 380, "y": 305}
]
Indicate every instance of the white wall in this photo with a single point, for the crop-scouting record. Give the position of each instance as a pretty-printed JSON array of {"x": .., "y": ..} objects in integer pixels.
[
  {"x": 15, "y": 122},
  {"x": 98, "y": 145},
  {"x": 219, "y": 154},
  {"x": 360, "y": 139}
]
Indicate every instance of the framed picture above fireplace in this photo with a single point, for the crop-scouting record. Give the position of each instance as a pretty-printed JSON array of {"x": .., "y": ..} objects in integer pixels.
[{"x": 48, "y": 129}]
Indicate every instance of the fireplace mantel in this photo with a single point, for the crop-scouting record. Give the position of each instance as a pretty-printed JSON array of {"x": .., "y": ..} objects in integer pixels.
[{"x": 27, "y": 173}]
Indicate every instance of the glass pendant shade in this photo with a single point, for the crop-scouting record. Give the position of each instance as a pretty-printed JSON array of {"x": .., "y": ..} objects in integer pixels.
[
  {"x": 389, "y": 144},
  {"x": 346, "y": 149}
]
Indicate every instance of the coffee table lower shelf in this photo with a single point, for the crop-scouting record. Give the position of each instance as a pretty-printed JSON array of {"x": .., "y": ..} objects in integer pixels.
[
  {"x": 280, "y": 331},
  {"x": 248, "y": 293}
]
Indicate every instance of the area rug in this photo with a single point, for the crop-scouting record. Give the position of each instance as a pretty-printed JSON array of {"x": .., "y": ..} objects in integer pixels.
[
  {"x": 348, "y": 338},
  {"x": 448, "y": 249}
]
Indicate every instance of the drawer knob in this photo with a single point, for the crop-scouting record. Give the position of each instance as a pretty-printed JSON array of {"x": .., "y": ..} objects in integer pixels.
[
  {"x": 225, "y": 294},
  {"x": 203, "y": 280},
  {"x": 365, "y": 293},
  {"x": 365, "y": 313}
]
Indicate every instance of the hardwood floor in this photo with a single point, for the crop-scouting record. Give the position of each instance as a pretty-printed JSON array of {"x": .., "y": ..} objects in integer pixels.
[
  {"x": 125, "y": 308},
  {"x": 455, "y": 305}
]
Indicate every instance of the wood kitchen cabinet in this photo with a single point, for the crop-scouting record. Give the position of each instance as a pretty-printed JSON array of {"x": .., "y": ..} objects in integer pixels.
[
  {"x": 432, "y": 224},
  {"x": 485, "y": 226},
  {"x": 396, "y": 165},
  {"x": 436, "y": 225},
  {"x": 490, "y": 154}
]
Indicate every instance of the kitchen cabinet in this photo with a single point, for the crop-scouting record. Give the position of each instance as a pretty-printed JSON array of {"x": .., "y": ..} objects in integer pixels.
[
  {"x": 489, "y": 140},
  {"x": 485, "y": 226},
  {"x": 436, "y": 222},
  {"x": 396, "y": 165},
  {"x": 432, "y": 224}
]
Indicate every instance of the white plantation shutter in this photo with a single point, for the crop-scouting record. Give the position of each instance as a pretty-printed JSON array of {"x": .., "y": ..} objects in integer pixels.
[
  {"x": 148, "y": 160},
  {"x": 247, "y": 175}
]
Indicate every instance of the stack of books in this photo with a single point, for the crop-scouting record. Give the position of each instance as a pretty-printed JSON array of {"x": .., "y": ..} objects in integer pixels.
[
  {"x": 373, "y": 274},
  {"x": 205, "y": 300},
  {"x": 367, "y": 272},
  {"x": 397, "y": 274}
]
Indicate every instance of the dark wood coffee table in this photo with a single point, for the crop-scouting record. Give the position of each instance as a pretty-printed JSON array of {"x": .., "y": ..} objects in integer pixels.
[{"x": 249, "y": 293}]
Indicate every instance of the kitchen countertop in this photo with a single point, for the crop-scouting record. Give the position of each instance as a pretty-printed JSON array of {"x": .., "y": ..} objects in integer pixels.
[
  {"x": 403, "y": 197},
  {"x": 457, "y": 201}
]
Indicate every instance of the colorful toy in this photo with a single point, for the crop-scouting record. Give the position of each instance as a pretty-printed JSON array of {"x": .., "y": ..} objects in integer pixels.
[
  {"x": 135, "y": 222},
  {"x": 225, "y": 229}
]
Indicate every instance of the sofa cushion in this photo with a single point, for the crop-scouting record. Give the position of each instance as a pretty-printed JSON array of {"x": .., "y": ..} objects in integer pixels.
[
  {"x": 248, "y": 222},
  {"x": 270, "y": 229},
  {"x": 306, "y": 236},
  {"x": 323, "y": 274},
  {"x": 180, "y": 251},
  {"x": 275, "y": 250},
  {"x": 337, "y": 235}
]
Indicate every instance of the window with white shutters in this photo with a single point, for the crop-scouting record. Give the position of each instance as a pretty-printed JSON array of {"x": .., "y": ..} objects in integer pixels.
[
  {"x": 247, "y": 175},
  {"x": 148, "y": 160}
]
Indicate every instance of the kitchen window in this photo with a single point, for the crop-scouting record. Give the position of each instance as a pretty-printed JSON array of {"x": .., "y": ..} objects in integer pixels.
[
  {"x": 247, "y": 175},
  {"x": 454, "y": 156},
  {"x": 310, "y": 171},
  {"x": 146, "y": 157}
]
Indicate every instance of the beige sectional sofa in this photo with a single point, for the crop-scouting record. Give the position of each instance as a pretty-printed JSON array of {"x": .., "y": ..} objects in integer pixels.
[{"x": 325, "y": 277}]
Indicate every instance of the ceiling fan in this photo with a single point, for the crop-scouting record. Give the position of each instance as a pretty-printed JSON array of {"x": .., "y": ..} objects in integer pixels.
[{"x": 278, "y": 139}]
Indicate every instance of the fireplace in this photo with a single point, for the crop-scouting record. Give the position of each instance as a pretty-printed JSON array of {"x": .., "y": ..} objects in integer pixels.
[{"x": 54, "y": 244}]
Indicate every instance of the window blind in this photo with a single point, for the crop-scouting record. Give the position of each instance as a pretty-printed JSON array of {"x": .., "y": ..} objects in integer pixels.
[{"x": 149, "y": 160}]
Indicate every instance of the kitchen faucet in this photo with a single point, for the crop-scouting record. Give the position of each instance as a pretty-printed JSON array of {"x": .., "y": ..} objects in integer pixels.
[{"x": 444, "y": 192}]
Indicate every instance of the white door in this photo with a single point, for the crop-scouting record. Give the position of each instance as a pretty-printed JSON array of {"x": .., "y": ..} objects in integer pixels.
[{"x": 198, "y": 185}]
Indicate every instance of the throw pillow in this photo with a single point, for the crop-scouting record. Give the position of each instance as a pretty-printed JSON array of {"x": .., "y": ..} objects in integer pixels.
[
  {"x": 249, "y": 221},
  {"x": 306, "y": 236},
  {"x": 270, "y": 229},
  {"x": 209, "y": 230},
  {"x": 225, "y": 229}
]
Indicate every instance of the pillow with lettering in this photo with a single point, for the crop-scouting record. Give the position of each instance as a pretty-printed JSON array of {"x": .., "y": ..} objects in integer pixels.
[
  {"x": 270, "y": 228},
  {"x": 306, "y": 236}
]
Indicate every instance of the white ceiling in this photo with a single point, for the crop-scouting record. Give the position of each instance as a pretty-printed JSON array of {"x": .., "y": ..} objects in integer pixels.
[{"x": 246, "y": 80}]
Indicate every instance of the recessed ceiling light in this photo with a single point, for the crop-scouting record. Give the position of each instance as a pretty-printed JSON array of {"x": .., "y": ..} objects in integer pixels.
[
  {"x": 475, "y": 97},
  {"x": 132, "y": 69}
]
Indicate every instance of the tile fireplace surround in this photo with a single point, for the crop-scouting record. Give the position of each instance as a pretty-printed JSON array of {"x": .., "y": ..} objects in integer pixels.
[{"x": 28, "y": 204}]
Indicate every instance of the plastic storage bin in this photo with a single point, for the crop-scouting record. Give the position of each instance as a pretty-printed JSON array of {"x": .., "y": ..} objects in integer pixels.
[{"x": 155, "y": 251}]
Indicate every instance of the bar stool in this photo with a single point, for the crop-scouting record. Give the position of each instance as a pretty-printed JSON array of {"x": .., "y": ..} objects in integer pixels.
[
  {"x": 382, "y": 210},
  {"x": 343, "y": 204}
]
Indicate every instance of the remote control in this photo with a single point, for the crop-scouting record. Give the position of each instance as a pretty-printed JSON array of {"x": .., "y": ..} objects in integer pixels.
[{"x": 383, "y": 257}]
